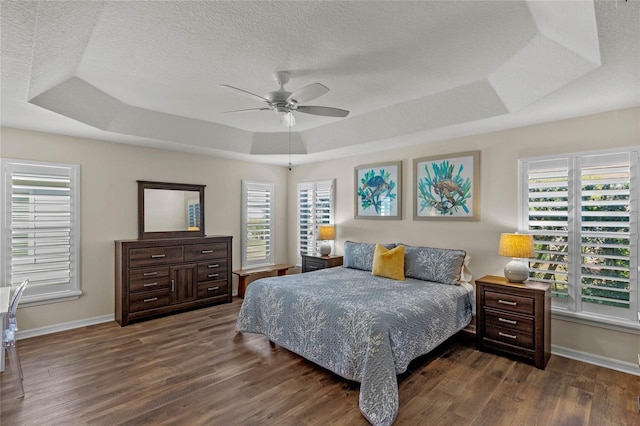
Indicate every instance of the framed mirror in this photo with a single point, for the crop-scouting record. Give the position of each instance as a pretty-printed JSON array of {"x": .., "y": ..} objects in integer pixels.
[{"x": 170, "y": 210}]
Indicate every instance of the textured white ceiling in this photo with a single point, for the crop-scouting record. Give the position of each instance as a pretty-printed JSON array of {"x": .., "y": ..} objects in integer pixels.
[{"x": 150, "y": 72}]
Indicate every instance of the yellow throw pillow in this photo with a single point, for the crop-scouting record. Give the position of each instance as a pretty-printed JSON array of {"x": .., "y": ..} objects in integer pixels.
[{"x": 388, "y": 263}]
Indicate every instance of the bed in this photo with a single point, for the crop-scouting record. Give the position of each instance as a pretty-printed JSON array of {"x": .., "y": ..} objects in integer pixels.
[{"x": 364, "y": 327}]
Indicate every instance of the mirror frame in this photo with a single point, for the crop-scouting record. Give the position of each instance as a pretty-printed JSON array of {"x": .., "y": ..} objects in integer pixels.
[{"x": 143, "y": 184}]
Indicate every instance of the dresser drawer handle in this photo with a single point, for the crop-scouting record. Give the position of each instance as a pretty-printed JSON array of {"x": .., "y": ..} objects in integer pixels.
[
  {"x": 158, "y": 256},
  {"x": 206, "y": 251},
  {"x": 510, "y": 336},
  {"x": 508, "y": 321},
  {"x": 153, "y": 299},
  {"x": 150, "y": 284},
  {"x": 213, "y": 275},
  {"x": 507, "y": 302},
  {"x": 213, "y": 288},
  {"x": 149, "y": 274},
  {"x": 215, "y": 265},
  {"x": 312, "y": 267}
]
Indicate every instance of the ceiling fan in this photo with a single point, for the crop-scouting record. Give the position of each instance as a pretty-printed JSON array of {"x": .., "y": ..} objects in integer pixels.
[{"x": 284, "y": 103}]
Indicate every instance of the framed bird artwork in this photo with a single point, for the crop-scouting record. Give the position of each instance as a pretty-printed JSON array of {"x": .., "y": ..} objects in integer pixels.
[
  {"x": 447, "y": 187},
  {"x": 378, "y": 191}
]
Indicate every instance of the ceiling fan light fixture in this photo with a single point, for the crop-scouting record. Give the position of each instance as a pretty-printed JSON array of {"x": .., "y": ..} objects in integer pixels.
[{"x": 287, "y": 119}]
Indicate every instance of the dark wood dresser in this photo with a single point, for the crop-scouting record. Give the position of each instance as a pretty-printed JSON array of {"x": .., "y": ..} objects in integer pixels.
[
  {"x": 514, "y": 318},
  {"x": 160, "y": 276},
  {"x": 313, "y": 263}
]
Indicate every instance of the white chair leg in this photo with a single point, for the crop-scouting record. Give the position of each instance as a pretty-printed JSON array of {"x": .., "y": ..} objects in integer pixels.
[{"x": 14, "y": 359}]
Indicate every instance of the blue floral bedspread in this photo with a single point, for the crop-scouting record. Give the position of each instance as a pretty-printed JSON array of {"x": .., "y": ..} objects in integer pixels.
[{"x": 361, "y": 327}]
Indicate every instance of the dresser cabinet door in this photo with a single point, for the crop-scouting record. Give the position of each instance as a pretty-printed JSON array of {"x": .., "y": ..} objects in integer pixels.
[{"x": 183, "y": 284}]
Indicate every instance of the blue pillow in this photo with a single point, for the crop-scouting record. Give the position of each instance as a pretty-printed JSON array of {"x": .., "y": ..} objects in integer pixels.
[
  {"x": 360, "y": 255},
  {"x": 434, "y": 264}
]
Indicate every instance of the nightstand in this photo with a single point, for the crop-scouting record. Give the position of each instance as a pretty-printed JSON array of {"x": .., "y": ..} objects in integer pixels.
[
  {"x": 514, "y": 318},
  {"x": 313, "y": 262}
]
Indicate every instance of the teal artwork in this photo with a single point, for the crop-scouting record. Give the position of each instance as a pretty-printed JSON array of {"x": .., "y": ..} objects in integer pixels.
[
  {"x": 443, "y": 191},
  {"x": 377, "y": 191},
  {"x": 446, "y": 187}
]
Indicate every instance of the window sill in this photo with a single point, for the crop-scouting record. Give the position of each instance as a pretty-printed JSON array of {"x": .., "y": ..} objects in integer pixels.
[
  {"x": 629, "y": 326},
  {"x": 45, "y": 299}
]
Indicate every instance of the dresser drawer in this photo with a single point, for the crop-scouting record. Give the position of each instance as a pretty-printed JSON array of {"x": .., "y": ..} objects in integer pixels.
[
  {"x": 213, "y": 288},
  {"x": 154, "y": 256},
  {"x": 148, "y": 300},
  {"x": 510, "y": 336},
  {"x": 144, "y": 273},
  {"x": 210, "y": 271},
  {"x": 509, "y": 302},
  {"x": 149, "y": 284},
  {"x": 501, "y": 319},
  {"x": 198, "y": 252}
]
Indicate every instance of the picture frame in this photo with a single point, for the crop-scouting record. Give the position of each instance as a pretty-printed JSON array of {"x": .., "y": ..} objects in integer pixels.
[
  {"x": 447, "y": 187},
  {"x": 378, "y": 191}
]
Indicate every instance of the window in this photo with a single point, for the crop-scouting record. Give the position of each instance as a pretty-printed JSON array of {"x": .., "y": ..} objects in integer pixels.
[
  {"x": 315, "y": 208},
  {"x": 257, "y": 224},
  {"x": 583, "y": 213},
  {"x": 41, "y": 228}
]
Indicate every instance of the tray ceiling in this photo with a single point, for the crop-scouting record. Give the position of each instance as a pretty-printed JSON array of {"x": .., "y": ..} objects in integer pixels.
[{"x": 149, "y": 73}]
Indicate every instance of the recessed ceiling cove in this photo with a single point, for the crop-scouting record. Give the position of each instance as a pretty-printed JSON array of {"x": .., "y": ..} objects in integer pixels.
[{"x": 151, "y": 72}]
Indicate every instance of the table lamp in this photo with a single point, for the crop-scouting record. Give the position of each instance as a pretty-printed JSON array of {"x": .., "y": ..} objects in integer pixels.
[
  {"x": 326, "y": 233},
  {"x": 517, "y": 247}
]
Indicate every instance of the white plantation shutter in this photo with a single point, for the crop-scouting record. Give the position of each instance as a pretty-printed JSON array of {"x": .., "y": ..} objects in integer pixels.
[
  {"x": 607, "y": 255},
  {"x": 583, "y": 213},
  {"x": 315, "y": 208},
  {"x": 548, "y": 222},
  {"x": 41, "y": 227},
  {"x": 257, "y": 223}
]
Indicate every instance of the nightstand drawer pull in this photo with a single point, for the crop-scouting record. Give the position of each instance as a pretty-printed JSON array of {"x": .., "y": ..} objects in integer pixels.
[
  {"x": 150, "y": 274},
  {"x": 213, "y": 275},
  {"x": 153, "y": 299},
  {"x": 150, "y": 285},
  {"x": 206, "y": 251},
  {"x": 158, "y": 256},
  {"x": 510, "y": 336},
  {"x": 213, "y": 288},
  {"x": 507, "y": 302},
  {"x": 508, "y": 321},
  {"x": 215, "y": 265}
]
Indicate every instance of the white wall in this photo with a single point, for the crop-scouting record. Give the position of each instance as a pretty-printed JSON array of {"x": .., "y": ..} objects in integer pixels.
[
  {"x": 499, "y": 156},
  {"x": 110, "y": 206}
]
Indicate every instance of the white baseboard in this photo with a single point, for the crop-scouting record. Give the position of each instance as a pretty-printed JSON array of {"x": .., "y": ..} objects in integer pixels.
[
  {"x": 613, "y": 364},
  {"x": 64, "y": 326}
]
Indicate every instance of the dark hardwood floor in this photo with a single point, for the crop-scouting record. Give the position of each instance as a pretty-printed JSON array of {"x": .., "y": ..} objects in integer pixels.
[{"x": 192, "y": 368}]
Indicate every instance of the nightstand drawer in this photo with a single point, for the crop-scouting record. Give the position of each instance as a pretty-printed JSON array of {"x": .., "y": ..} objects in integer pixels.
[
  {"x": 509, "y": 302},
  {"x": 501, "y": 319},
  {"x": 510, "y": 336},
  {"x": 313, "y": 265}
]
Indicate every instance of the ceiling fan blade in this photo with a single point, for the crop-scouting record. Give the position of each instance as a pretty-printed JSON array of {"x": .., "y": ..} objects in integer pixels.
[
  {"x": 321, "y": 110},
  {"x": 308, "y": 93},
  {"x": 244, "y": 92},
  {"x": 249, "y": 109}
]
